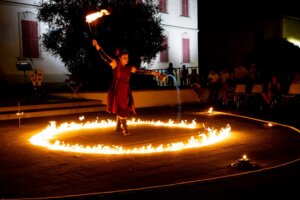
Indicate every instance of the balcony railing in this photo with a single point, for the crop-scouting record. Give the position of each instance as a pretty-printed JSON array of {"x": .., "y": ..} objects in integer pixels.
[{"x": 177, "y": 72}]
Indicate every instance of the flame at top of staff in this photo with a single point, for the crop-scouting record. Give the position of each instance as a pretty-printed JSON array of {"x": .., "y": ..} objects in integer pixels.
[{"x": 92, "y": 17}]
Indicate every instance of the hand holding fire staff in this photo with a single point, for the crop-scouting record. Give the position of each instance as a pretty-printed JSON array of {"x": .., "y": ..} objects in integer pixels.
[{"x": 104, "y": 56}]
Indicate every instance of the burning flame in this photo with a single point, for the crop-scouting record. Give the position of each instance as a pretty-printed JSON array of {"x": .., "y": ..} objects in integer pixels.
[
  {"x": 210, "y": 111},
  {"x": 268, "y": 125},
  {"x": 245, "y": 157},
  {"x": 19, "y": 113},
  {"x": 81, "y": 118},
  {"x": 44, "y": 137},
  {"x": 92, "y": 17}
]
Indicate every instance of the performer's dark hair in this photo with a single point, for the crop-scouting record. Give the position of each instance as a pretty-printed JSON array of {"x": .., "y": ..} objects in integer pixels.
[{"x": 121, "y": 51}]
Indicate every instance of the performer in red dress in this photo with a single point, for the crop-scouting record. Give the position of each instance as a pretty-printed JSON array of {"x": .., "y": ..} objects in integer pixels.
[{"x": 120, "y": 99}]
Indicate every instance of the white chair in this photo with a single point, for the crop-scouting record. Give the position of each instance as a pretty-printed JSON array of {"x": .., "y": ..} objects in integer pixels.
[
  {"x": 257, "y": 89},
  {"x": 254, "y": 97},
  {"x": 238, "y": 96},
  {"x": 294, "y": 90}
]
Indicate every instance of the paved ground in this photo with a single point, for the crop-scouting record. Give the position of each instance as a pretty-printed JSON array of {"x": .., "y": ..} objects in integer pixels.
[{"x": 29, "y": 171}]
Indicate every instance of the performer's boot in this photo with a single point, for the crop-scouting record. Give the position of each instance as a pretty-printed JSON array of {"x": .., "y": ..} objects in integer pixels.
[
  {"x": 124, "y": 124},
  {"x": 118, "y": 125}
]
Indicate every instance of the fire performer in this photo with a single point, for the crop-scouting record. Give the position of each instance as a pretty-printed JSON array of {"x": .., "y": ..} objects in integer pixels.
[{"x": 120, "y": 99}]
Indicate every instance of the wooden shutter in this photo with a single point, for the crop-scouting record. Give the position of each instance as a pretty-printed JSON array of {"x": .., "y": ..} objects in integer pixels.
[
  {"x": 186, "y": 50},
  {"x": 30, "y": 40},
  {"x": 164, "y": 56},
  {"x": 163, "y": 6},
  {"x": 185, "y": 8}
]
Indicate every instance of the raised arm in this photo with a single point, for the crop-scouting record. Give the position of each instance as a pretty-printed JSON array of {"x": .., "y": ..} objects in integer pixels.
[{"x": 104, "y": 56}]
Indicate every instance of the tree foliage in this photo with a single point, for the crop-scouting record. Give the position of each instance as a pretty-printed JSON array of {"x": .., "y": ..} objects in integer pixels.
[
  {"x": 131, "y": 25},
  {"x": 276, "y": 56}
]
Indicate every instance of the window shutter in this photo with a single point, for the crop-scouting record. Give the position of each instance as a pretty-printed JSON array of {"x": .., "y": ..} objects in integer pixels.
[
  {"x": 185, "y": 8},
  {"x": 164, "y": 56},
  {"x": 186, "y": 50},
  {"x": 30, "y": 40},
  {"x": 163, "y": 6}
]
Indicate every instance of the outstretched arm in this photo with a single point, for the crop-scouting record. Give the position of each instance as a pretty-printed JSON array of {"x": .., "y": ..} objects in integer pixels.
[
  {"x": 149, "y": 72},
  {"x": 104, "y": 56}
]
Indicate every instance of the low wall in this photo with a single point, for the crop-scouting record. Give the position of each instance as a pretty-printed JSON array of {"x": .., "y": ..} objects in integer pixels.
[{"x": 147, "y": 98}]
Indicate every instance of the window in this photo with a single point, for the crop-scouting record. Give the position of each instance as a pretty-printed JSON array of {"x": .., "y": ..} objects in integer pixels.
[
  {"x": 164, "y": 57},
  {"x": 30, "y": 40},
  {"x": 186, "y": 50},
  {"x": 163, "y": 6},
  {"x": 185, "y": 8}
]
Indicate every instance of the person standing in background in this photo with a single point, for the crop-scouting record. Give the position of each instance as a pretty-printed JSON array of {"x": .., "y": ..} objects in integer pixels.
[
  {"x": 170, "y": 71},
  {"x": 183, "y": 76}
]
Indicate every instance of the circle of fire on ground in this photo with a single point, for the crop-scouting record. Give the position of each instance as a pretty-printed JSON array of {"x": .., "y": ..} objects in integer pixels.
[{"x": 45, "y": 137}]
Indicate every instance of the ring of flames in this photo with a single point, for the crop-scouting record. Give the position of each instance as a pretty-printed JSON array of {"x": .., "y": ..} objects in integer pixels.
[{"x": 45, "y": 137}]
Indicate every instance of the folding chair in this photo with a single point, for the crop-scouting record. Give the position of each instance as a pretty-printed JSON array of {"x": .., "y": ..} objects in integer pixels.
[
  {"x": 257, "y": 89},
  {"x": 294, "y": 90},
  {"x": 74, "y": 86},
  {"x": 255, "y": 97},
  {"x": 238, "y": 96}
]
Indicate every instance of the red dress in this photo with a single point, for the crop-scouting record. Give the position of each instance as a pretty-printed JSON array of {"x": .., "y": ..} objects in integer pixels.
[{"x": 119, "y": 98}]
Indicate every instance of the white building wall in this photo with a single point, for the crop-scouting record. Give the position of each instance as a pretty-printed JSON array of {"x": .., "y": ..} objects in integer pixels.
[
  {"x": 177, "y": 26},
  {"x": 10, "y": 45},
  {"x": 54, "y": 70},
  {"x": 173, "y": 16}
]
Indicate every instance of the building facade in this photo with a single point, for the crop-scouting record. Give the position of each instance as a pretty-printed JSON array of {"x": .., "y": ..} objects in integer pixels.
[
  {"x": 20, "y": 36},
  {"x": 180, "y": 23}
]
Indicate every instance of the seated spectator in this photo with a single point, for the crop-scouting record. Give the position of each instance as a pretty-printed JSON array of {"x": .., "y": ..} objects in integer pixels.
[
  {"x": 272, "y": 91},
  {"x": 229, "y": 87},
  {"x": 214, "y": 85},
  {"x": 296, "y": 78},
  {"x": 254, "y": 77},
  {"x": 240, "y": 73}
]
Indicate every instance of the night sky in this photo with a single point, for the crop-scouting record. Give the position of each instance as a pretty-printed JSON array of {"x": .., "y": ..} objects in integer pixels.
[{"x": 245, "y": 10}]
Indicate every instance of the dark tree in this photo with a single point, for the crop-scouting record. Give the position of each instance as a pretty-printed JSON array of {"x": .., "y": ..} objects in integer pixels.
[
  {"x": 276, "y": 56},
  {"x": 132, "y": 25}
]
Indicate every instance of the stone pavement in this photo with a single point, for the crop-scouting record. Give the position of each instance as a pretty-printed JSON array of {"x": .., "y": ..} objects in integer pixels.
[{"x": 30, "y": 171}]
